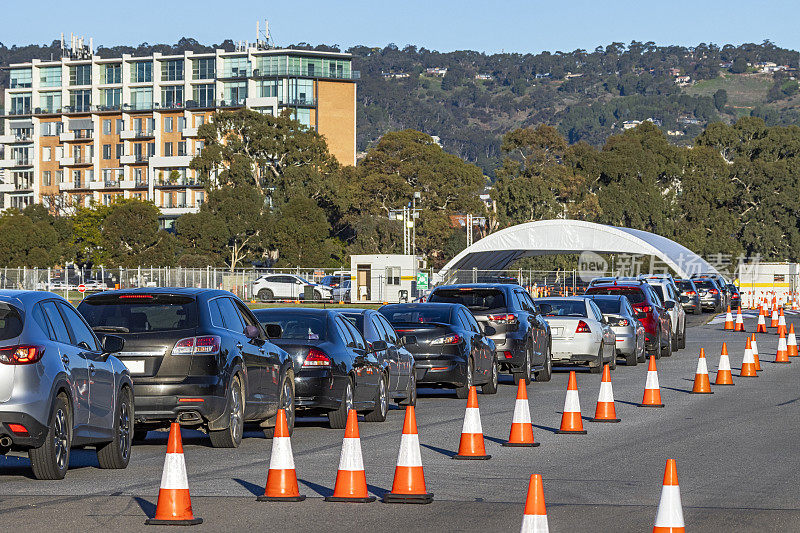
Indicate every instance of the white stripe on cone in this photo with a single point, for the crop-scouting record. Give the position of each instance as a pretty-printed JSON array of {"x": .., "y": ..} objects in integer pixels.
[
  {"x": 652, "y": 380},
  {"x": 748, "y": 357},
  {"x": 281, "y": 457},
  {"x": 534, "y": 523},
  {"x": 522, "y": 414},
  {"x": 724, "y": 363},
  {"x": 174, "y": 474},
  {"x": 409, "y": 451},
  {"x": 701, "y": 366},
  {"x": 791, "y": 340},
  {"x": 781, "y": 344},
  {"x": 472, "y": 421},
  {"x": 351, "y": 455},
  {"x": 670, "y": 511},
  {"x": 606, "y": 393},
  {"x": 572, "y": 403},
  {"x": 754, "y": 344}
]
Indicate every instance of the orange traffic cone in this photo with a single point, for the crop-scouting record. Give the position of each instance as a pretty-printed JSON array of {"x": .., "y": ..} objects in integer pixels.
[
  {"x": 571, "y": 421},
  {"x": 781, "y": 323},
  {"x": 669, "y": 518},
  {"x": 471, "y": 445},
  {"x": 783, "y": 354},
  {"x": 728, "y": 319},
  {"x": 174, "y": 503},
  {"x": 761, "y": 327},
  {"x": 754, "y": 345},
  {"x": 652, "y": 392},
  {"x": 605, "y": 411},
  {"x": 748, "y": 363},
  {"x": 791, "y": 342},
  {"x": 521, "y": 427},
  {"x": 701, "y": 382},
  {"x": 281, "y": 478},
  {"x": 535, "y": 518},
  {"x": 351, "y": 481},
  {"x": 724, "y": 376},
  {"x": 409, "y": 478},
  {"x": 739, "y": 326},
  {"x": 773, "y": 323}
]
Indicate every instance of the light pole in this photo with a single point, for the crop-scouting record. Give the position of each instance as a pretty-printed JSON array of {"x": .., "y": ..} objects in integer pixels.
[{"x": 408, "y": 215}]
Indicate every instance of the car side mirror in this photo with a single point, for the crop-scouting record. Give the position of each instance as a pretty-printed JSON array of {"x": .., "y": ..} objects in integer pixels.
[
  {"x": 274, "y": 331},
  {"x": 640, "y": 315},
  {"x": 113, "y": 344},
  {"x": 409, "y": 340},
  {"x": 669, "y": 304},
  {"x": 379, "y": 346},
  {"x": 605, "y": 319},
  {"x": 489, "y": 331},
  {"x": 251, "y": 332}
]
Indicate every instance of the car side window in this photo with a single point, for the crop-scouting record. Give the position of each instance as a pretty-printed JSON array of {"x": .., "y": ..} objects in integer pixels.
[
  {"x": 390, "y": 332},
  {"x": 472, "y": 324},
  {"x": 344, "y": 333},
  {"x": 80, "y": 331},
  {"x": 56, "y": 321},
  {"x": 357, "y": 337},
  {"x": 245, "y": 314},
  {"x": 216, "y": 315},
  {"x": 38, "y": 317},
  {"x": 595, "y": 310},
  {"x": 230, "y": 316},
  {"x": 380, "y": 331},
  {"x": 524, "y": 299}
]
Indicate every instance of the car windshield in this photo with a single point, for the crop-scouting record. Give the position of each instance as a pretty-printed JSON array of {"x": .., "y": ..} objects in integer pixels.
[
  {"x": 634, "y": 295},
  {"x": 608, "y": 305},
  {"x": 473, "y": 299},
  {"x": 10, "y": 322},
  {"x": 418, "y": 315},
  {"x": 139, "y": 312},
  {"x": 562, "y": 307},
  {"x": 294, "y": 326}
]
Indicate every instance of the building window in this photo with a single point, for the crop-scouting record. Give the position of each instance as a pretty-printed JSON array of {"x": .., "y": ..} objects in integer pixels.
[
  {"x": 142, "y": 97},
  {"x": 393, "y": 275},
  {"x": 111, "y": 73},
  {"x": 168, "y": 124},
  {"x": 111, "y": 98},
  {"x": 50, "y": 77},
  {"x": 120, "y": 125},
  {"x": 172, "y": 96},
  {"x": 204, "y": 95},
  {"x": 181, "y": 123},
  {"x": 303, "y": 116},
  {"x": 182, "y": 148},
  {"x": 119, "y": 150},
  {"x": 269, "y": 88},
  {"x": 301, "y": 92},
  {"x": 47, "y": 153},
  {"x": 172, "y": 70},
  {"x": 106, "y": 151},
  {"x": 21, "y": 78},
  {"x": 108, "y": 199},
  {"x": 151, "y": 149},
  {"x": 76, "y": 179},
  {"x": 235, "y": 67},
  {"x": 50, "y": 102},
  {"x": 168, "y": 149},
  {"x": 204, "y": 69},
  {"x": 47, "y": 178},
  {"x": 234, "y": 93},
  {"x": 51, "y": 129},
  {"x": 107, "y": 126},
  {"x": 199, "y": 197},
  {"x": 80, "y": 75},
  {"x": 80, "y": 100},
  {"x": 60, "y": 176},
  {"x": 142, "y": 72},
  {"x": 21, "y": 104},
  {"x": 271, "y": 65},
  {"x": 199, "y": 120}
]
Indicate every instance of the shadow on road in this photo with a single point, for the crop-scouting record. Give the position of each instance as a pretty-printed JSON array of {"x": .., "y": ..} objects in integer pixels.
[
  {"x": 319, "y": 489},
  {"x": 254, "y": 489},
  {"x": 147, "y": 507},
  {"x": 442, "y": 451}
]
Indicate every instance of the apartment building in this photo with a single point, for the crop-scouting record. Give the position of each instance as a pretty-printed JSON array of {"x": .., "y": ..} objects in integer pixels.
[{"x": 84, "y": 128}]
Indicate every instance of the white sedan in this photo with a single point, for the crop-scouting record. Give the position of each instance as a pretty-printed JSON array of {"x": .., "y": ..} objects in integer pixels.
[{"x": 580, "y": 333}]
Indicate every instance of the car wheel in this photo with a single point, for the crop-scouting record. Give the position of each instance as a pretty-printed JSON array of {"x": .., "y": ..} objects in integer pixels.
[
  {"x": 285, "y": 402},
  {"x": 463, "y": 392},
  {"x": 231, "y": 436},
  {"x": 491, "y": 387},
  {"x": 317, "y": 296},
  {"x": 598, "y": 366},
  {"x": 411, "y": 392},
  {"x": 698, "y": 310},
  {"x": 265, "y": 295},
  {"x": 378, "y": 413},
  {"x": 613, "y": 362},
  {"x": 51, "y": 459},
  {"x": 528, "y": 370},
  {"x": 547, "y": 367},
  {"x": 682, "y": 341},
  {"x": 338, "y": 419},
  {"x": 117, "y": 453},
  {"x": 666, "y": 351}
]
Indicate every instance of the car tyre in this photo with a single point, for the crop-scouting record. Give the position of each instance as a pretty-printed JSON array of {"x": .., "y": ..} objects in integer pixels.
[
  {"x": 381, "y": 409},
  {"x": 613, "y": 362},
  {"x": 666, "y": 351},
  {"x": 286, "y": 402},
  {"x": 265, "y": 295},
  {"x": 526, "y": 373},
  {"x": 463, "y": 392},
  {"x": 231, "y": 436},
  {"x": 547, "y": 367},
  {"x": 411, "y": 392},
  {"x": 682, "y": 341},
  {"x": 494, "y": 380},
  {"x": 117, "y": 453},
  {"x": 597, "y": 367},
  {"x": 338, "y": 419},
  {"x": 51, "y": 459}
]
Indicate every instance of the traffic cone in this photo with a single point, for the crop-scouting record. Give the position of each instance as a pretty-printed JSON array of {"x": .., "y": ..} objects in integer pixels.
[
  {"x": 652, "y": 392},
  {"x": 748, "y": 363},
  {"x": 739, "y": 326},
  {"x": 794, "y": 302},
  {"x": 535, "y": 517},
  {"x": 701, "y": 382},
  {"x": 571, "y": 421},
  {"x": 773, "y": 323},
  {"x": 281, "y": 478},
  {"x": 791, "y": 342},
  {"x": 669, "y": 518},
  {"x": 471, "y": 444},
  {"x": 781, "y": 323},
  {"x": 761, "y": 327},
  {"x": 409, "y": 478},
  {"x": 605, "y": 411},
  {"x": 724, "y": 376},
  {"x": 728, "y": 319},
  {"x": 754, "y": 345},
  {"x": 351, "y": 481},
  {"x": 521, "y": 428},
  {"x": 174, "y": 506},
  {"x": 783, "y": 354}
]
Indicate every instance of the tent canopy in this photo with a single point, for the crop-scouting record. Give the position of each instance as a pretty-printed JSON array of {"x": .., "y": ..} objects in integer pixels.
[{"x": 550, "y": 237}]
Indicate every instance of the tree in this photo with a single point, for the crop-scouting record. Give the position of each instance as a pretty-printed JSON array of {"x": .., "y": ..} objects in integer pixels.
[
  {"x": 26, "y": 242},
  {"x": 720, "y": 99},
  {"x": 131, "y": 235},
  {"x": 299, "y": 231},
  {"x": 739, "y": 65}
]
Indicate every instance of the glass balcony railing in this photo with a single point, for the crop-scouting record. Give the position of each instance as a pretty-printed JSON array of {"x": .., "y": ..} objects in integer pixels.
[
  {"x": 140, "y": 184},
  {"x": 302, "y": 102},
  {"x": 22, "y": 161},
  {"x": 237, "y": 72},
  {"x": 181, "y": 182},
  {"x": 306, "y": 72},
  {"x": 111, "y": 184}
]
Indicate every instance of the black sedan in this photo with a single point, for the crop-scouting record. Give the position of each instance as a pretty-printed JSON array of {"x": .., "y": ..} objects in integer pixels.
[
  {"x": 335, "y": 369},
  {"x": 396, "y": 361},
  {"x": 449, "y": 347}
]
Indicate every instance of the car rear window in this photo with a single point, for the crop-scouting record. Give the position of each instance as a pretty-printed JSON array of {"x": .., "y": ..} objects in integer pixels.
[
  {"x": 294, "y": 326},
  {"x": 562, "y": 308},
  {"x": 705, "y": 284},
  {"x": 140, "y": 312},
  {"x": 685, "y": 285},
  {"x": 607, "y": 305},
  {"x": 473, "y": 299},
  {"x": 660, "y": 291},
  {"x": 10, "y": 322},
  {"x": 418, "y": 315},
  {"x": 634, "y": 295}
]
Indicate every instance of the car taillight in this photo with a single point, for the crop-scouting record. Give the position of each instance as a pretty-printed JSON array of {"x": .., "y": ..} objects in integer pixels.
[
  {"x": 622, "y": 322},
  {"x": 505, "y": 318},
  {"x": 21, "y": 355},
  {"x": 690, "y": 293},
  {"x": 204, "y": 345},
  {"x": 19, "y": 429},
  {"x": 713, "y": 291},
  {"x": 644, "y": 308},
  {"x": 583, "y": 327},
  {"x": 448, "y": 339},
  {"x": 316, "y": 358}
]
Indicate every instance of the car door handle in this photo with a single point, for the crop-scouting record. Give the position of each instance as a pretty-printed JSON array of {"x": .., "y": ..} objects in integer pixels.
[
  {"x": 239, "y": 345},
  {"x": 65, "y": 359}
]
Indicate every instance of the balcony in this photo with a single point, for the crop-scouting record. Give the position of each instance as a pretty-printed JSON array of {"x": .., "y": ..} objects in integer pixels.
[
  {"x": 137, "y": 134},
  {"x": 132, "y": 159},
  {"x": 324, "y": 73},
  {"x": 189, "y": 132},
  {"x": 66, "y": 136},
  {"x": 162, "y": 161},
  {"x": 179, "y": 183},
  {"x": 23, "y": 185},
  {"x": 11, "y": 139},
  {"x": 76, "y": 161},
  {"x": 17, "y": 162},
  {"x": 301, "y": 102},
  {"x": 66, "y": 186}
]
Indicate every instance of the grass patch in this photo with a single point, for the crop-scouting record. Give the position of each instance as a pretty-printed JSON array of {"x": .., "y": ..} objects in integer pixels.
[{"x": 744, "y": 90}]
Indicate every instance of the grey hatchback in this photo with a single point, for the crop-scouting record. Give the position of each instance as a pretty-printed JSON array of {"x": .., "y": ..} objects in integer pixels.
[{"x": 60, "y": 386}]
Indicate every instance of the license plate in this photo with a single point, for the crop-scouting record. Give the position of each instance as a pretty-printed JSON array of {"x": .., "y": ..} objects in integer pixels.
[
  {"x": 558, "y": 331},
  {"x": 135, "y": 366}
]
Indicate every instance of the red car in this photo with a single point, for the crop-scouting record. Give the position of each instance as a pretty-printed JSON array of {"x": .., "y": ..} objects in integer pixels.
[{"x": 650, "y": 311}]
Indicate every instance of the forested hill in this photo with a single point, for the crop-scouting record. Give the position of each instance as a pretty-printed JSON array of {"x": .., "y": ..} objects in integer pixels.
[{"x": 469, "y": 99}]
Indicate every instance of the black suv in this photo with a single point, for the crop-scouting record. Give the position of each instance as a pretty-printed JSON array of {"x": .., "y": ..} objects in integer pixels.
[
  {"x": 197, "y": 356},
  {"x": 522, "y": 335}
]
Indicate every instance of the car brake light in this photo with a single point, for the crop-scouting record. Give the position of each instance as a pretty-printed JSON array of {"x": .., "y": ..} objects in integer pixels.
[
  {"x": 622, "y": 322},
  {"x": 690, "y": 293},
  {"x": 505, "y": 318},
  {"x": 21, "y": 355},
  {"x": 583, "y": 327},
  {"x": 644, "y": 308},
  {"x": 316, "y": 358},
  {"x": 136, "y": 296},
  {"x": 19, "y": 429},
  {"x": 448, "y": 339},
  {"x": 713, "y": 291},
  {"x": 508, "y": 355},
  {"x": 204, "y": 345}
]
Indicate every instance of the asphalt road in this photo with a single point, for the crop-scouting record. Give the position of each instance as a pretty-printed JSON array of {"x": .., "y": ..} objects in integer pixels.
[{"x": 737, "y": 453}]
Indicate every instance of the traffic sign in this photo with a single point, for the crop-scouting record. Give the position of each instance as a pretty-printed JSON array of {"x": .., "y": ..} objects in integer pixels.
[
  {"x": 422, "y": 281},
  {"x": 81, "y": 288}
]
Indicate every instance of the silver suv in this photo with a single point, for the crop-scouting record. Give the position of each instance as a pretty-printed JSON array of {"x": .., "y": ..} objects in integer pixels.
[
  {"x": 668, "y": 292},
  {"x": 60, "y": 386}
]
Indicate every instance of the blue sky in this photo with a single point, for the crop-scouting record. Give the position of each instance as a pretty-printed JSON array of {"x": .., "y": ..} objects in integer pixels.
[{"x": 516, "y": 26}]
